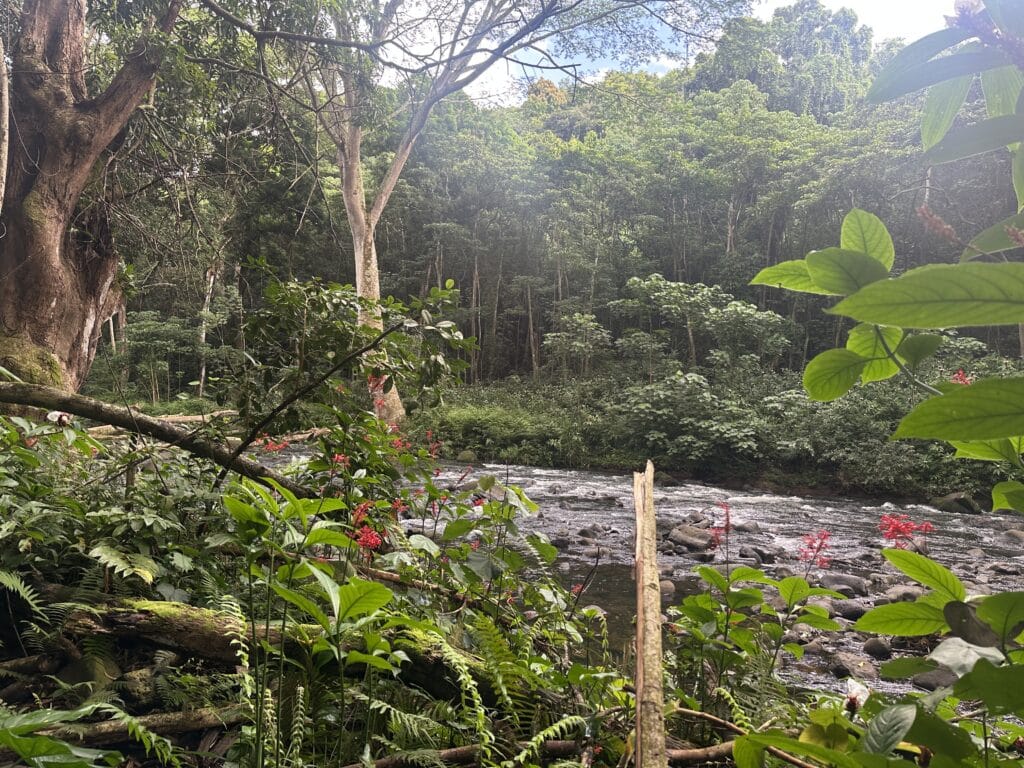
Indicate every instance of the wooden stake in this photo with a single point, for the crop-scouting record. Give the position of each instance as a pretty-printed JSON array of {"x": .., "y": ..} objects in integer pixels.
[{"x": 650, "y": 701}]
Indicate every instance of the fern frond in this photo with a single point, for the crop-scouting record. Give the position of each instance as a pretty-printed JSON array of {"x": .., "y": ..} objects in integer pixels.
[
  {"x": 13, "y": 582},
  {"x": 738, "y": 715},
  {"x": 558, "y": 730},
  {"x": 153, "y": 743}
]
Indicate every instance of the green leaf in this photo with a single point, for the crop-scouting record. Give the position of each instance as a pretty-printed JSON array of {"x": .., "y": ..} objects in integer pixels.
[
  {"x": 359, "y": 598},
  {"x": 1017, "y": 172},
  {"x": 545, "y": 550},
  {"x": 794, "y": 589},
  {"x": 976, "y": 138},
  {"x": 713, "y": 577},
  {"x": 995, "y": 239},
  {"x": 898, "y": 669},
  {"x": 1001, "y": 689},
  {"x": 985, "y": 410},
  {"x": 1008, "y": 15},
  {"x": 865, "y": 232},
  {"x": 1004, "y": 612},
  {"x": 818, "y": 622},
  {"x": 459, "y": 527},
  {"x": 843, "y": 271},
  {"x": 1003, "y": 449},
  {"x": 326, "y": 535},
  {"x": 1008, "y": 494},
  {"x": 914, "y": 350},
  {"x": 424, "y": 544},
  {"x": 795, "y": 747},
  {"x": 304, "y": 604},
  {"x": 832, "y": 736},
  {"x": 746, "y": 754},
  {"x": 792, "y": 275},
  {"x": 938, "y": 70},
  {"x": 891, "y": 81},
  {"x": 358, "y": 657},
  {"x": 888, "y": 728},
  {"x": 832, "y": 373},
  {"x": 941, "y": 737},
  {"x": 941, "y": 107},
  {"x": 926, "y": 572},
  {"x": 902, "y": 619},
  {"x": 959, "y": 656},
  {"x": 1002, "y": 88},
  {"x": 942, "y": 296},
  {"x": 866, "y": 340}
]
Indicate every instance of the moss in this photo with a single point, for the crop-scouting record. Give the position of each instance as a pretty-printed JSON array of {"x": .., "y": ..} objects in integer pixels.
[
  {"x": 30, "y": 362},
  {"x": 181, "y": 615}
]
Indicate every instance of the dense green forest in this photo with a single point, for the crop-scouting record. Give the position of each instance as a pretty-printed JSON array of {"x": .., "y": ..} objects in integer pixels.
[
  {"x": 601, "y": 235},
  {"x": 267, "y": 269}
]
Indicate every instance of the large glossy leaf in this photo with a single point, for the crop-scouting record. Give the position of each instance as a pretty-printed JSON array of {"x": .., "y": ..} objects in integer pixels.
[
  {"x": 941, "y": 107},
  {"x": 792, "y": 275},
  {"x": 304, "y": 604},
  {"x": 359, "y": 597},
  {"x": 867, "y": 341},
  {"x": 1004, "y": 612},
  {"x": 976, "y": 138},
  {"x": 959, "y": 656},
  {"x": 985, "y": 410},
  {"x": 994, "y": 239},
  {"x": 1001, "y": 689},
  {"x": 942, "y": 296},
  {"x": 914, "y": 350},
  {"x": 940, "y": 736},
  {"x": 902, "y": 619},
  {"x": 842, "y": 271},
  {"x": 939, "y": 70},
  {"x": 1008, "y": 494},
  {"x": 865, "y": 232},
  {"x": 890, "y": 81},
  {"x": 1003, "y": 449},
  {"x": 832, "y": 373},
  {"x": 1008, "y": 15},
  {"x": 927, "y": 572},
  {"x": 825, "y": 755},
  {"x": 1002, "y": 88},
  {"x": 888, "y": 728}
]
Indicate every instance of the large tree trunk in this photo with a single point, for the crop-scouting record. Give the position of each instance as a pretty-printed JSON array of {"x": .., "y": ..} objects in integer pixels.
[{"x": 57, "y": 285}]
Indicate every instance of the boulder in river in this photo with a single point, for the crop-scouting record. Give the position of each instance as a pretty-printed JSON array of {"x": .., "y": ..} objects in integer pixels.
[
  {"x": 934, "y": 679},
  {"x": 694, "y": 539},
  {"x": 845, "y": 584},
  {"x": 849, "y": 609},
  {"x": 903, "y": 593},
  {"x": 849, "y": 664},
  {"x": 877, "y": 648},
  {"x": 959, "y": 503}
]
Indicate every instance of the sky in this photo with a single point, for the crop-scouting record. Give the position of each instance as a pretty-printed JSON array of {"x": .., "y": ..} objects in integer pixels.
[{"x": 909, "y": 19}]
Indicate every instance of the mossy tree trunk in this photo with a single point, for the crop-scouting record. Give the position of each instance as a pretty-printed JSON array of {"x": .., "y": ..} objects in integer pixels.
[{"x": 58, "y": 265}]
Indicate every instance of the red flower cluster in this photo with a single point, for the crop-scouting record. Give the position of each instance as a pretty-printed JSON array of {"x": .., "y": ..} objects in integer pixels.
[
  {"x": 719, "y": 533},
  {"x": 814, "y": 548},
  {"x": 961, "y": 378},
  {"x": 270, "y": 445},
  {"x": 900, "y": 529},
  {"x": 433, "y": 446},
  {"x": 341, "y": 460},
  {"x": 576, "y": 589},
  {"x": 361, "y": 512},
  {"x": 399, "y": 505},
  {"x": 369, "y": 538}
]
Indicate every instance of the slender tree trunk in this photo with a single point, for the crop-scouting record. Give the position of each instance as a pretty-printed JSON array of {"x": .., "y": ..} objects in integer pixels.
[
  {"x": 474, "y": 321},
  {"x": 58, "y": 288},
  {"x": 531, "y": 333},
  {"x": 5, "y": 132},
  {"x": 211, "y": 281}
]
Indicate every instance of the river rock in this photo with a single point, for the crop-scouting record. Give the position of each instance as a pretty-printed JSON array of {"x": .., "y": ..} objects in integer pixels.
[
  {"x": 959, "y": 503},
  {"x": 1013, "y": 536},
  {"x": 694, "y": 539},
  {"x": 698, "y": 520},
  {"x": 466, "y": 456},
  {"x": 845, "y": 584},
  {"x": 976, "y": 553},
  {"x": 667, "y": 588},
  {"x": 849, "y": 664},
  {"x": 1005, "y": 568},
  {"x": 877, "y": 648},
  {"x": 749, "y": 526},
  {"x": 903, "y": 593},
  {"x": 751, "y": 554},
  {"x": 815, "y": 647},
  {"x": 934, "y": 679},
  {"x": 594, "y": 553},
  {"x": 849, "y": 609}
]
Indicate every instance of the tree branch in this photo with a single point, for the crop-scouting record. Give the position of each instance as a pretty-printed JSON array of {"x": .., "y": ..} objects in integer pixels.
[{"x": 88, "y": 408}]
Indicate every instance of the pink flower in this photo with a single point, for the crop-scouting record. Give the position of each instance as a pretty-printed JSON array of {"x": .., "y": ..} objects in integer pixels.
[
  {"x": 814, "y": 547},
  {"x": 341, "y": 460},
  {"x": 369, "y": 538},
  {"x": 576, "y": 589},
  {"x": 962, "y": 378},
  {"x": 900, "y": 529}
]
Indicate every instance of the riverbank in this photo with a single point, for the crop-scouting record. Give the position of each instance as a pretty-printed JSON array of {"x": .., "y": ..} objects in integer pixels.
[{"x": 761, "y": 432}]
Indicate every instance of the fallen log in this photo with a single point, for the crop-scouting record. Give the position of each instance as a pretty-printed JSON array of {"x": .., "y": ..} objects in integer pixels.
[{"x": 37, "y": 396}]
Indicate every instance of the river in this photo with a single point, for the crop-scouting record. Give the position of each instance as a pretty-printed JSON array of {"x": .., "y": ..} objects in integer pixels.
[{"x": 582, "y": 511}]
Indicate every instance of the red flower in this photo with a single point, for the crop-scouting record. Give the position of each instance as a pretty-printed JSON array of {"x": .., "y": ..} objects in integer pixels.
[
  {"x": 814, "y": 547},
  {"x": 474, "y": 544},
  {"x": 361, "y": 512},
  {"x": 962, "y": 378},
  {"x": 399, "y": 505},
  {"x": 479, "y": 501},
  {"x": 576, "y": 589},
  {"x": 341, "y": 460},
  {"x": 369, "y": 538},
  {"x": 899, "y": 529}
]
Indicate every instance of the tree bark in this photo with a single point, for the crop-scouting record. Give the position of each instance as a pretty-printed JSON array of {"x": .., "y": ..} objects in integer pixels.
[
  {"x": 54, "y": 399},
  {"x": 57, "y": 287},
  {"x": 5, "y": 129}
]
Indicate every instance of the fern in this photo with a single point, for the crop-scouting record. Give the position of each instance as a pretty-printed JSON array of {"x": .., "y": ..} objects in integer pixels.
[
  {"x": 739, "y": 716},
  {"x": 126, "y": 563},
  {"x": 558, "y": 730},
  {"x": 12, "y": 582},
  {"x": 471, "y": 702},
  {"x": 153, "y": 743}
]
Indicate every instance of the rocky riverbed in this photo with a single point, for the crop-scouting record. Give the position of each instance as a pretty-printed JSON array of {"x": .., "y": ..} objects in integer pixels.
[{"x": 589, "y": 517}]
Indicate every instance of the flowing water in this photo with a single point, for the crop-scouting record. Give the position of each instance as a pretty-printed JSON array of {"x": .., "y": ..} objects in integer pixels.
[{"x": 600, "y": 507}]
